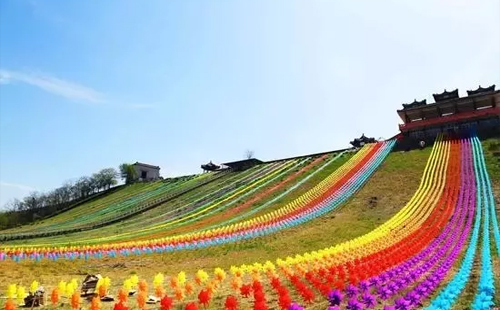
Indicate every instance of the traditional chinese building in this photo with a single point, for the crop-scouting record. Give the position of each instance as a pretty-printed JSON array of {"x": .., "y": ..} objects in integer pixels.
[
  {"x": 210, "y": 167},
  {"x": 479, "y": 111},
  {"x": 359, "y": 142}
]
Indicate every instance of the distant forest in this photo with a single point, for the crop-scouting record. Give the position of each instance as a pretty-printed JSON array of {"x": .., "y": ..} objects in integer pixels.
[{"x": 38, "y": 205}]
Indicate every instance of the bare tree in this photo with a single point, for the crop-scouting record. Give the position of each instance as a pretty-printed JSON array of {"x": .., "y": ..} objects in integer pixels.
[
  {"x": 31, "y": 202},
  {"x": 249, "y": 154},
  {"x": 84, "y": 186},
  {"x": 38, "y": 204},
  {"x": 108, "y": 177}
]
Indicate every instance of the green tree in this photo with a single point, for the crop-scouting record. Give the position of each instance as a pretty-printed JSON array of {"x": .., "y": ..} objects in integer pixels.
[{"x": 128, "y": 173}]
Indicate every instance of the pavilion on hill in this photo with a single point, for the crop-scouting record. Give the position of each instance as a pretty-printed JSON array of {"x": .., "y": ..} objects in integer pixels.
[
  {"x": 359, "y": 142},
  {"x": 451, "y": 114},
  {"x": 210, "y": 167}
]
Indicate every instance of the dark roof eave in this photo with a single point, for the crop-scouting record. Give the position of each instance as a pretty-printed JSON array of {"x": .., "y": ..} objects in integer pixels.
[
  {"x": 253, "y": 160},
  {"x": 446, "y": 95},
  {"x": 480, "y": 90},
  {"x": 145, "y": 165},
  {"x": 414, "y": 104},
  {"x": 436, "y": 104}
]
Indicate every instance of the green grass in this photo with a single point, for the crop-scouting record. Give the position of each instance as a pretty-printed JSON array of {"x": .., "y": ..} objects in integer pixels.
[
  {"x": 393, "y": 184},
  {"x": 147, "y": 219},
  {"x": 112, "y": 205},
  {"x": 120, "y": 227},
  {"x": 89, "y": 207}
]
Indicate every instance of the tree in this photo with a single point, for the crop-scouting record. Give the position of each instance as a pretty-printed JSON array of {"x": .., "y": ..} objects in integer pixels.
[
  {"x": 73, "y": 190},
  {"x": 128, "y": 173},
  {"x": 55, "y": 198},
  {"x": 104, "y": 179},
  {"x": 94, "y": 183},
  {"x": 64, "y": 192},
  {"x": 108, "y": 177},
  {"x": 4, "y": 220},
  {"x": 31, "y": 202},
  {"x": 15, "y": 205},
  {"x": 36, "y": 205},
  {"x": 249, "y": 154},
  {"x": 84, "y": 186}
]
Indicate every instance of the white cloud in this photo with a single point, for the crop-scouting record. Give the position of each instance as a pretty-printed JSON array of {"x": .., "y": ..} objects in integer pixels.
[
  {"x": 22, "y": 187},
  {"x": 64, "y": 88},
  {"x": 10, "y": 191},
  {"x": 4, "y": 79},
  {"x": 53, "y": 85}
]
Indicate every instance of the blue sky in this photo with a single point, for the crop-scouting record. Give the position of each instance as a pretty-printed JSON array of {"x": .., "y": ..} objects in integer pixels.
[{"x": 86, "y": 85}]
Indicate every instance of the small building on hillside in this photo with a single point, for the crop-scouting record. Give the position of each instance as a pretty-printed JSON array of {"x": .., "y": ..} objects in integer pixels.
[{"x": 145, "y": 172}]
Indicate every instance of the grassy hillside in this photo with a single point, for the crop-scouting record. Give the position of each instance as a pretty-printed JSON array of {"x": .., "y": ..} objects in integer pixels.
[
  {"x": 185, "y": 205},
  {"x": 112, "y": 205},
  {"x": 89, "y": 208},
  {"x": 392, "y": 185},
  {"x": 385, "y": 193}
]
